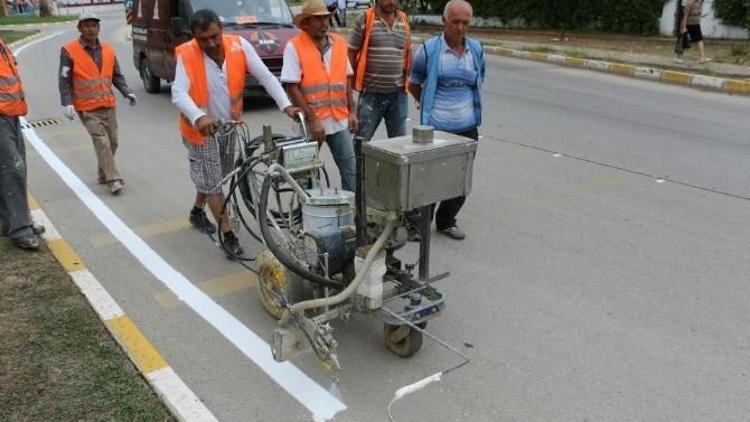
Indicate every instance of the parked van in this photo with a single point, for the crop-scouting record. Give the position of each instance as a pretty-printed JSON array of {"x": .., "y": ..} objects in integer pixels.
[{"x": 160, "y": 25}]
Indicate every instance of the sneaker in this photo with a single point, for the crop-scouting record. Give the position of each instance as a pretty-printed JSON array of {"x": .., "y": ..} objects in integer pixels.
[
  {"x": 200, "y": 221},
  {"x": 115, "y": 187},
  {"x": 704, "y": 60},
  {"x": 38, "y": 230},
  {"x": 678, "y": 61},
  {"x": 30, "y": 242},
  {"x": 232, "y": 245},
  {"x": 453, "y": 232}
]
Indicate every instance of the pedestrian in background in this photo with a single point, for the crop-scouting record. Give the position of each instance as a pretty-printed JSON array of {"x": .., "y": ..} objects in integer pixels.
[
  {"x": 317, "y": 74},
  {"x": 380, "y": 52},
  {"x": 446, "y": 80},
  {"x": 209, "y": 85},
  {"x": 692, "y": 11},
  {"x": 15, "y": 218},
  {"x": 88, "y": 69}
]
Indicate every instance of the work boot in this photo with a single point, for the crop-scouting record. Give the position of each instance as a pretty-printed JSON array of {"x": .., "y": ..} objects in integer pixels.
[
  {"x": 115, "y": 187},
  {"x": 232, "y": 245},
  {"x": 29, "y": 242},
  {"x": 200, "y": 221},
  {"x": 453, "y": 232}
]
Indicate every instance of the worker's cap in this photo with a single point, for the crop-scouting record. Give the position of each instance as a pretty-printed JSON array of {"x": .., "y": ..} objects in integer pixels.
[
  {"x": 311, "y": 8},
  {"x": 88, "y": 16}
]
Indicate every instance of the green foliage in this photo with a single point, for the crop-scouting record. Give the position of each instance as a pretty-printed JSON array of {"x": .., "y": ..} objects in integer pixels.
[
  {"x": 636, "y": 16},
  {"x": 734, "y": 12}
]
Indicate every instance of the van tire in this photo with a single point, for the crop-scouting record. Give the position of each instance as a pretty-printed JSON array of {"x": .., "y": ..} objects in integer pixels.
[{"x": 151, "y": 83}]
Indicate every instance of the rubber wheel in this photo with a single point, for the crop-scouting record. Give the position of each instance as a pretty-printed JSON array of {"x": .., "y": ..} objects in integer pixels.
[
  {"x": 402, "y": 340},
  {"x": 151, "y": 83},
  {"x": 274, "y": 279}
]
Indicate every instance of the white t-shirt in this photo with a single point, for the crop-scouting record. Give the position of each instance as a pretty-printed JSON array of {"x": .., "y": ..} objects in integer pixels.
[
  {"x": 219, "y": 102},
  {"x": 291, "y": 72}
]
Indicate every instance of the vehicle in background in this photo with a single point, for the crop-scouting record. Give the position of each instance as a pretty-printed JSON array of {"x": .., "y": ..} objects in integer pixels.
[
  {"x": 354, "y": 4},
  {"x": 161, "y": 25}
]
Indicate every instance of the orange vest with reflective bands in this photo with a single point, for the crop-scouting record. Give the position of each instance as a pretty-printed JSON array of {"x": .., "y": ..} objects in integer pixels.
[
  {"x": 324, "y": 92},
  {"x": 192, "y": 59},
  {"x": 359, "y": 72},
  {"x": 92, "y": 88},
  {"x": 12, "y": 102}
]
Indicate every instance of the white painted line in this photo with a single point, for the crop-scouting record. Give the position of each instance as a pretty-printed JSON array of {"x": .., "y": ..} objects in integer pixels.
[
  {"x": 597, "y": 65},
  {"x": 99, "y": 299},
  {"x": 708, "y": 81},
  {"x": 556, "y": 58},
  {"x": 306, "y": 391},
  {"x": 557, "y": 155},
  {"x": 179, "y": 397},
  {"x": 647, "y": 73},
  {"x": 40, "y": 218},
  {"x": 660, "y": 180}
]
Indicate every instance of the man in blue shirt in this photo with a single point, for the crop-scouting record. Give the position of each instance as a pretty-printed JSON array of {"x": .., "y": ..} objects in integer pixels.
[{"x": 446, "y": 80}]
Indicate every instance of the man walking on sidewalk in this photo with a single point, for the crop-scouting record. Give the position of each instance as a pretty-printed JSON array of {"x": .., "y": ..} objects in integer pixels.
[
  {"x": 446, "y": 80},
  {"x": 690, "y": 24},
  {"x": 88, "y": 69},
  {"x": 15, "y": 219},
  {"x": 317, "y": 74},
  {"x": 380, "y": 52},
  {"x": 208, "y": 86}
]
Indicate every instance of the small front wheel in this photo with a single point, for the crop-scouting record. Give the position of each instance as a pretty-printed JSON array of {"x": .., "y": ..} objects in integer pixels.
[{"x": 402, "y": 340}]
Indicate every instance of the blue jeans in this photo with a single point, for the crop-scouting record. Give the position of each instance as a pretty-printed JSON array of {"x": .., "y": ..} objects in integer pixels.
[
  {"x": 342, "y": 149},
  {"x": 373, "y": 107}
]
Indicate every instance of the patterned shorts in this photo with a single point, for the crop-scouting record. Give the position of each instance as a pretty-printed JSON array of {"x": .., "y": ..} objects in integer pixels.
[{"x": 210, "y": 163}]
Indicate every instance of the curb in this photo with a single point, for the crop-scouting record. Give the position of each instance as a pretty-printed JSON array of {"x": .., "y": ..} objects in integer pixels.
[
  {"x": 170, "y": 388},
  {"x": 713, "y": 83},
  {"x": 25, "y": 40}
]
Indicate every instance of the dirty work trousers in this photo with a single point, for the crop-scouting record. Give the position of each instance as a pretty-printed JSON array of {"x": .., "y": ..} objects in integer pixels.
[
  {"x": 101, "y": 124},
  {"x": 374, "y": 107},
  {"x": 15, "y": 220}
]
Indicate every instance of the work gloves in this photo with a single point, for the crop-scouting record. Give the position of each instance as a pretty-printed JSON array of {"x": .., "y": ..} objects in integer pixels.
[
  {"x": 69, "y": 111},
  {"x": 132, "y": 99}
]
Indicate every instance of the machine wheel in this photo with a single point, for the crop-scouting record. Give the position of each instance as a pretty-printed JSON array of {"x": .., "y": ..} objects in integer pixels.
[
  {"x": 274, "y": 279},
  {"x": 151, "y": 83},
  {"x": 402, "y": 340}
]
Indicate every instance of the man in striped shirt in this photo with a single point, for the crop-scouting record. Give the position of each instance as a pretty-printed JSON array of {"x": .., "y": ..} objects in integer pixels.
[{"x": 380, "y": 53}]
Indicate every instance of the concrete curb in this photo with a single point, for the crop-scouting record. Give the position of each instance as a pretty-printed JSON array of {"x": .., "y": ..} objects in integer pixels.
[
  {"x": 22, "y": 41},
  {"x": 170, "y": 388},
  {"x": 730, "y": 86}
]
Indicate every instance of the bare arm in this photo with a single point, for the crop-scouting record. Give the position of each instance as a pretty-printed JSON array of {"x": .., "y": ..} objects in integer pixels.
[{"x": 416, "y": 91}]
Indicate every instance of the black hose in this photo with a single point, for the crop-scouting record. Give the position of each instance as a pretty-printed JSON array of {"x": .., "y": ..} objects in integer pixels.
[{"x": 286, "y": 260}]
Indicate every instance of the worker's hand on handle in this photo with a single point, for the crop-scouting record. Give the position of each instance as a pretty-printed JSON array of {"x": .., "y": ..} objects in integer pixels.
[
  {"x": 293, "y": 112},
  {"x": 353, "y": 123},
  {"x": 69, "y": 111},
  {"x": 317, "y": 131},
  {"x": 205, "y": 126},
  {"x": 132, "y": 99}
]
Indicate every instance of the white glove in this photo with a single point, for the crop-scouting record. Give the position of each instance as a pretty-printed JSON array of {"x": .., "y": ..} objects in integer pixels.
[
  {"x": 69, "y": 111},
  {"x": 132, "y": 99}
]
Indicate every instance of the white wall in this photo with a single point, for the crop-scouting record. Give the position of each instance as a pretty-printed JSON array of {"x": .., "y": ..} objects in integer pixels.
[{"x": 710, "y": 24}]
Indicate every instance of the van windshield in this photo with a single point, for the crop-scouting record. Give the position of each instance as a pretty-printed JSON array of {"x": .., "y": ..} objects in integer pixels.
[{"x": 248, "y": 12}]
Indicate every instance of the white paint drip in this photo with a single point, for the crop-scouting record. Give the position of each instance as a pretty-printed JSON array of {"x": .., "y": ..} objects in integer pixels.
[
  {"x": 307, "y": 392},
  {"x": 557, "y": 155}
]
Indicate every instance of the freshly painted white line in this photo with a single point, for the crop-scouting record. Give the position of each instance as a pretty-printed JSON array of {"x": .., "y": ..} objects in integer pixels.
[
  {"x": 179, "y": 397},
  {"x": 306, "y": 391},
  {"x": 99, "y": 299},
  {"x": 40, "y": 218},
  {"x": 23, "y": 47}
]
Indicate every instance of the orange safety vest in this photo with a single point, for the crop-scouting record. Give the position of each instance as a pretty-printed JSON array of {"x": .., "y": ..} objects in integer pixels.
[
  {"x": 359, "y": 78},
  {"x": 192, "y": 59},
  {"x": 323, "y": 90},
  {"x": 12, "y": 102},
  {"x": 92, "y": 88}
]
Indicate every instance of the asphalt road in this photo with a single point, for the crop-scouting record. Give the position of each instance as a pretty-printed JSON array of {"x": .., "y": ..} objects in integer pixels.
[{"x": 604, "y": 277}]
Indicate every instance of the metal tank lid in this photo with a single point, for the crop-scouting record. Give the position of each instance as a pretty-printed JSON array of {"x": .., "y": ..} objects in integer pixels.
[{"x": 329, "y": 196}]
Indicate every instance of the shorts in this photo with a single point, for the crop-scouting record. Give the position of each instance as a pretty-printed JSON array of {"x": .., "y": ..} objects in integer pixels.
[
  {"x": 695, "y": 33},
  {"x": 210, "y": 163}
]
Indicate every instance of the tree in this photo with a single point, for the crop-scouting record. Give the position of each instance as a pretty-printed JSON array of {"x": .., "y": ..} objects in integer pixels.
[{"x": 734, "y": 12}]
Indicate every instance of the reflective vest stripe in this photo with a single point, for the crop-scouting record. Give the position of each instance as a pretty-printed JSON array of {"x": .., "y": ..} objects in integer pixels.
[
  {"x": 12, "y": 102},
  {"x": 92, "y": 87}
]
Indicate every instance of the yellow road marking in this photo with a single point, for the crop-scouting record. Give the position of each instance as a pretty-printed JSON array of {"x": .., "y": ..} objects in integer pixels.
[
  {"x": 676, "y": 77},
  {"x": 65, "y": 254},
  {"x": 542, "y": 57},
  {"x": 140, "y": 350},
  {"x": 621, "y": 69},
  {"x": 150, "y": 230},
  {"x": 575, "y": 62},
  {"x": 215, "y": 287},
  {"x": 33, "y": 204},
  {"x": 739, "y": 87}
]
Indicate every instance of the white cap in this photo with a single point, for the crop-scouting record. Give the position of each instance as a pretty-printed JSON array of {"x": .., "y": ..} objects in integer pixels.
[{"x": 87, "y": 16}]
